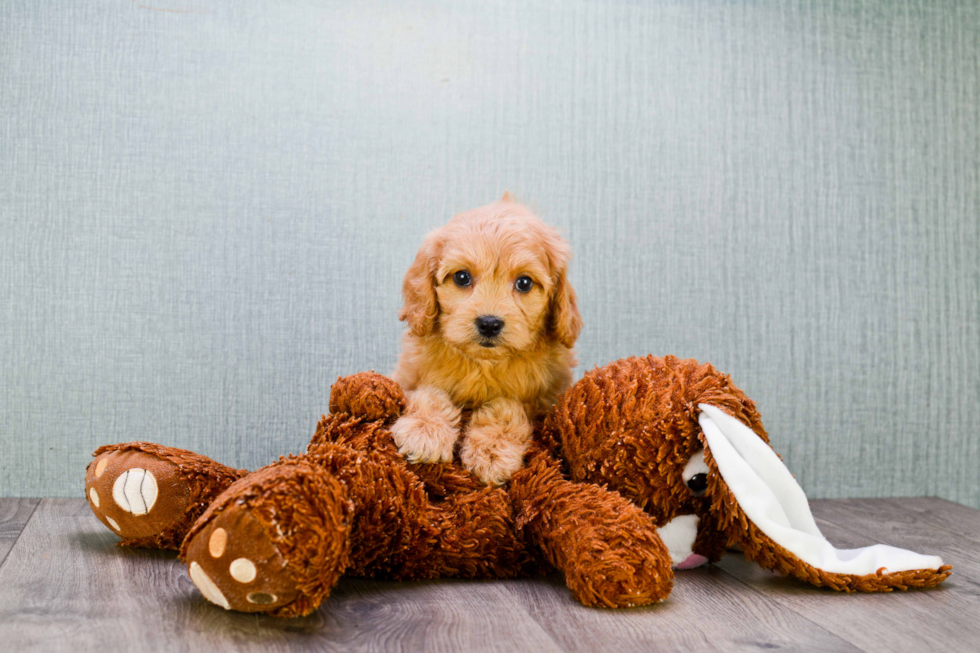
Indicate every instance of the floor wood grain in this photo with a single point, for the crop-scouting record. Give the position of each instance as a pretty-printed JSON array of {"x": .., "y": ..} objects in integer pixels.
[
  {"x": 65, "y": 586},
  {"x": 944, "y": 617},
  {"x": 14, "y": 514},
  {"x": 707, "y": 611}
]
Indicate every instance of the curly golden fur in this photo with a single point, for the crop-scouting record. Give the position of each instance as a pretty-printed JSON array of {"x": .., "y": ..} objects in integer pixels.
[{"x": 507, "y": 374}]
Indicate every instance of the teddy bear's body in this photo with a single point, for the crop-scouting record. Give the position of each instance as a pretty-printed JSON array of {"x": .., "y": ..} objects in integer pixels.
[
  {"x": 644, "y": 494},
  {"x": 352, "y": 505}
]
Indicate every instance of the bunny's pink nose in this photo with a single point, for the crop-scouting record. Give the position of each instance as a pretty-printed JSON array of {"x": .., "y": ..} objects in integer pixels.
[{"x": 692, "y": 561}]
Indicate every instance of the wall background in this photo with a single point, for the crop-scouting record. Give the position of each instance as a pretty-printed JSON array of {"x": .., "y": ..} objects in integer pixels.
[{"x": 206, "y": 209}]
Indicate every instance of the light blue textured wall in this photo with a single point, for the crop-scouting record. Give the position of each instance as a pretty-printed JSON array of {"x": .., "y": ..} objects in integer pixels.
[{"x": 207, "y": 207}]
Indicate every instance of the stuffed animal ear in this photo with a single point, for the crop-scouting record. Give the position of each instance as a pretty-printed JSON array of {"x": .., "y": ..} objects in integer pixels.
[{"x": 766, "y": 512}]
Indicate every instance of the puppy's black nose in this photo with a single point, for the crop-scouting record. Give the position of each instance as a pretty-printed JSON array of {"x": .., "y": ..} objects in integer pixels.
[{"x": 489, "y": 325}]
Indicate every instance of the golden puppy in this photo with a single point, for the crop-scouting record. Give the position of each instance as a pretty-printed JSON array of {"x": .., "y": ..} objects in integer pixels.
[{"x": 492, "y": 321}]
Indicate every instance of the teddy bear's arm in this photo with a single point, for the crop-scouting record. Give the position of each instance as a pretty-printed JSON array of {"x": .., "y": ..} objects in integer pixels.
[
  {"x": 607, "y": 548},
  {"x": 367, "y": 395}
]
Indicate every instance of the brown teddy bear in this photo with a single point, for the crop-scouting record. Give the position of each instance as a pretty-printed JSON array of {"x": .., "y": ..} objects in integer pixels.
[{"x": 645, "y": 465}]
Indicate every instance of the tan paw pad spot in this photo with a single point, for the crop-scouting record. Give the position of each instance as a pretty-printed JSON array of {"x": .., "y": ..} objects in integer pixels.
[
  {"x": 217, "y": 542},
  {"x": 242, "y": 570},
  {"x": 135, "y": 491},
  {"x": 100, "y": 467},
  {"x": 94, "y": 496},
  {"x": 207, "y": 587},
  {"x": 261, "y": 598}
]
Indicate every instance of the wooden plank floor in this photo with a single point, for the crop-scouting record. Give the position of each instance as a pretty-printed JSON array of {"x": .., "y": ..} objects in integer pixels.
[{"x": 65, "y": 586}]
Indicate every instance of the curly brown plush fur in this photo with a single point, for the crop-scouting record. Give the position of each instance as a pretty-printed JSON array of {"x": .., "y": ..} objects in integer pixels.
[
  {"x": 352, "y": 505},
  {"x": 633, "y": 425},
  {"x": 604, "y": 479},
  {"x": 610, "y": 554}
]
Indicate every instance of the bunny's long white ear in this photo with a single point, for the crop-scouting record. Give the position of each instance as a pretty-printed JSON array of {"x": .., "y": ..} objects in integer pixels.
[{"x": 774, "y": 503}]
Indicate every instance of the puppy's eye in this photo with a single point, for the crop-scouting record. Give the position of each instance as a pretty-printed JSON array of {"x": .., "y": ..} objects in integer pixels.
[
  {"x": 523, "y": 284},
  {"x": 462, "y": 278}
]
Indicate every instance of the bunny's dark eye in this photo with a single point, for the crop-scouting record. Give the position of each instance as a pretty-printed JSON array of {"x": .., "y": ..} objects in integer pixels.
[
  {"x": 462, "y": 278},
  {"x": 698, "y": 483},
  {"x": 695, "y": 474},
  {"x": 523, "y": 284}
]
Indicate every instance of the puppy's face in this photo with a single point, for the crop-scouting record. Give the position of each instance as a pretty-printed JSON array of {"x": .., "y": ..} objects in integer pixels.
[
  {"x": 493, "y": 283},
  {"x": 492, "y": 287}
]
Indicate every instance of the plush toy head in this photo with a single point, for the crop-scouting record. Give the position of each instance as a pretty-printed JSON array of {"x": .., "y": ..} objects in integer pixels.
[{"x": 687, "y": 446}]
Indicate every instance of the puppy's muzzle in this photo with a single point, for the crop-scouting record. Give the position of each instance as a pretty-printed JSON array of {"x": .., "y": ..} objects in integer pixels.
[{"x": 489, "y": 327}]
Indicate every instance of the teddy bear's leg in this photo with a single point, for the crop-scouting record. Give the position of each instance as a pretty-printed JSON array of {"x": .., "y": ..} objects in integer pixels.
[
  {"x": 150, "y": 495},
  {"x": 467, "y": 535},
  {"x": 275, "y": 541},
  {"x": 608, "y": 549},
  {"x": 278, "y": 540}
]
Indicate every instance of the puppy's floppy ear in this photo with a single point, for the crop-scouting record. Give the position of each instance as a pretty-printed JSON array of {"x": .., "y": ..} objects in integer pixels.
[
  {"x": 564, "y": 320},
  {"x": 421, "y": 309}
]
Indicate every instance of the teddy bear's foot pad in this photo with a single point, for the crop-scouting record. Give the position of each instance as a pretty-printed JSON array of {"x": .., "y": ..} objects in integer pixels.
[
  {"x": 149, "y": 494},
  {"x": 135, "y": 493},
  {"x": 278, "y": 539},
  {"x": 235, "y": 564}
]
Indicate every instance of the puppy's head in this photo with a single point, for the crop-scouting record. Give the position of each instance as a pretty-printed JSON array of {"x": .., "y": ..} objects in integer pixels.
[{"x": 493, "y": 282}]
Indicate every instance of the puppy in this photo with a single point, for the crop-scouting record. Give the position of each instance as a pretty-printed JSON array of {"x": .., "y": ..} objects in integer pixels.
[{"x": 492, "y": 320}]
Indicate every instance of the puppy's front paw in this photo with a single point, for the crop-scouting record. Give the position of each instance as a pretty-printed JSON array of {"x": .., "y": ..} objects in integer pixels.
[
  {"x": 428, "y": 430},
  {"x": 423, "y": 440},
  {"x": 494, "y": 445},
  {"x": 493, "y": 463}
]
